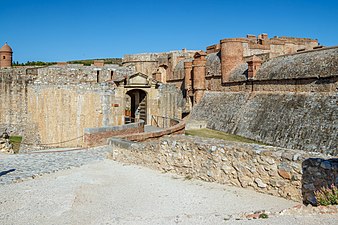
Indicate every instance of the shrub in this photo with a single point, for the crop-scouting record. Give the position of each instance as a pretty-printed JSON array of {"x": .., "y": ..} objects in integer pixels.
[
  {"x": 263, "y": 216},
  {"x": 327, "y": 195}
]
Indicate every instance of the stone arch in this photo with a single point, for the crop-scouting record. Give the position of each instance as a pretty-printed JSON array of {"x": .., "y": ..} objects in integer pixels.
[{"x": 136, "y": 102}]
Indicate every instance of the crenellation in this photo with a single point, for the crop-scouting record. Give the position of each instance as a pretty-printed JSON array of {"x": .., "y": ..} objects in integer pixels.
[{"x": 213, "y": 48}]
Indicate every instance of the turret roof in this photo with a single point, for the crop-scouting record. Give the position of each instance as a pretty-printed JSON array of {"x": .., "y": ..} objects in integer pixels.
[{"x": 6, "y": 48}]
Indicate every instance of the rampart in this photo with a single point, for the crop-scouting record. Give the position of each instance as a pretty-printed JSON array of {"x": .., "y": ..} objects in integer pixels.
[
  {"x": 62, "y": 112},
  {"x": 306, "y": 121},
  {"x": 13, "y": 102},
  {"x": 76, "y": 73},
  {"x": 272, "y": 170},
  {"x": 53, "y": 105}
]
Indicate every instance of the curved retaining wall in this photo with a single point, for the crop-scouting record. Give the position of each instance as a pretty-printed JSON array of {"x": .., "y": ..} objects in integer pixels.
[
  {"x": 98, "y": 136},
  {"x": 306, "y": 121},
  {"x": 178, "y": 128}
]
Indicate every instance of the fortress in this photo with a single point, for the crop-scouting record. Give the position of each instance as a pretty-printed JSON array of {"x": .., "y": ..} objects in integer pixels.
[{"x": 280, "y": 90}]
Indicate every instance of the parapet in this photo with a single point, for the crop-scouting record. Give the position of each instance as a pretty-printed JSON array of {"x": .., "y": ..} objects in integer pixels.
[
  {"x": 143, "y": 57},
  {"x": 98, "y": 63},
  {"x": 234, "y": 40},
  {"x": 308, "y": 64},
  {"x": 213, "y": 48}
]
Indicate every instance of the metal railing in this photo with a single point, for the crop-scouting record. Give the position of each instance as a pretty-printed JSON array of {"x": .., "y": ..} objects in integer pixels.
[
  {"x": 129, "y": 119},
  {"x": 163, "y": 122}
]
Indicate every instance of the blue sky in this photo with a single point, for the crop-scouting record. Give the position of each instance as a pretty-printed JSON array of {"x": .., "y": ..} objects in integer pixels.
[{"x": 65, "y": 30}]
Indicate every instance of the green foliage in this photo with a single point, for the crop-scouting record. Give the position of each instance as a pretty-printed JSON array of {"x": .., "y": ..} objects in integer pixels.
[
  {"x": 88, "y": 62},
  {"x": 16, "y": 142},
  {"x": 33, "y": 63},
  {"x": 327, "y": 195},
  {"x": 208, "y": 133},
  {"x": 263, "y": 216}
]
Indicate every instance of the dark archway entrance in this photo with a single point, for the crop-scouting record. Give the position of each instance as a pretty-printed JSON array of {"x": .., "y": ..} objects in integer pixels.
[{"x": 136, "y": 103}]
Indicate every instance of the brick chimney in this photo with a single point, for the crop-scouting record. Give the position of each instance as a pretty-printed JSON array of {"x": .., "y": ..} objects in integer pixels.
[
  {"x": 188, "y": 77},
  {"x": 254, "y": 63},
  {"x": 198, "y": 83},
  {"x": 98, "y": 63},
  {"x": 157, "y": 75}
]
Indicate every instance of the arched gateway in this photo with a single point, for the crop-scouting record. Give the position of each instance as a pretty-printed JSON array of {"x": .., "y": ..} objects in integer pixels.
[
  {"x": 140, "y": 99},
  {"x": 136, "y": 104}
]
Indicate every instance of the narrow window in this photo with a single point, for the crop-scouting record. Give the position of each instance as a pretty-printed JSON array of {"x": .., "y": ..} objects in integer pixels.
[
  {"x": 97, "y": 76},
  {"x": 111, "y": 75},
  {"x": 4, "y": 57}
]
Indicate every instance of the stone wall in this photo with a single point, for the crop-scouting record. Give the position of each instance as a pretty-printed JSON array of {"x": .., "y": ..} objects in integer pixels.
[
  {"x": 306, "y": 121},
  {"x": 146, "y": 63},
  {"x": 61, "y": 112},
  {"x": 317, "y": 173},
  {"x": 314, "y": 63},
  {"x": 174, "y": 127},
  {"x": 53, "y": 107},
  {"x": 266, "y": 169},
  {"x": 13, "y": 102},
  {"x": 77, "y": 73},
  {"x": 99, "y": 136}
]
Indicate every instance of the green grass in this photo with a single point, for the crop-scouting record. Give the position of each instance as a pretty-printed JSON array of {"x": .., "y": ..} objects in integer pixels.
[
  {"x": 208, "y": 133},
  {"x": 16, "y": 142}
]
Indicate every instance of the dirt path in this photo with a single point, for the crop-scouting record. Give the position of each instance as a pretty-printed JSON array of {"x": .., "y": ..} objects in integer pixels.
[{"x": 108, "y": 192}]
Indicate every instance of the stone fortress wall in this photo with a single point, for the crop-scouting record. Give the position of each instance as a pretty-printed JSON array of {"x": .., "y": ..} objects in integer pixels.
[
  {"x": 13, "y": 102},
  {"x": 279, "y": 90},
  {"x": 291, "y": 102},
  {"x": 306, "y": 121},
  {"x": 49, "y": 113},
  {"x": 62, "y": 112},
  {"x": 52, "y": 106}
]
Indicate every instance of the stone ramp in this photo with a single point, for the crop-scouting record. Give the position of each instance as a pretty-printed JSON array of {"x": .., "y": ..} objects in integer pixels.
[
  {"x": 19, "y": 167},
  {"x": 149, "y": 128}
]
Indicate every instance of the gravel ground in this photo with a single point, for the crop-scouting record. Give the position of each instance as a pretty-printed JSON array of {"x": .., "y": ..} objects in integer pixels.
[
  {"x": 21, "y": 167},
  {"x": 108, "y": 192}
]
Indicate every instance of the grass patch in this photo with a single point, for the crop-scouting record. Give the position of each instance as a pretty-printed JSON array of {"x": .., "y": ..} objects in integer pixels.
[
  {"x": 208, "y": 133},
  {"x": 16, "y": 142}
]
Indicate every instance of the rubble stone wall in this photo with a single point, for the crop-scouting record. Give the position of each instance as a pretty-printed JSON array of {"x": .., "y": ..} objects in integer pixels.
[{"x": 266, "y": 169}]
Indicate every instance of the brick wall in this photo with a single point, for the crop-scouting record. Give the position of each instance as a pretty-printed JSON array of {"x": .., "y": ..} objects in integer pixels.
[
  {"x": 176, "y": 127},
  {"x": 98, "y": 136}
]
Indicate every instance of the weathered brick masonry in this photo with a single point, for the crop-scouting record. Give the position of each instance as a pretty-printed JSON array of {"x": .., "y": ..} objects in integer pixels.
[{"x": 99, "y": 136}]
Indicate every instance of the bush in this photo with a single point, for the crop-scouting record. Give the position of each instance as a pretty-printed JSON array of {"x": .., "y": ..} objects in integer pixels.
[
  {"x": 327, "y": 195},
  {"x": 16, "y": 142},
  {"x": 263, "y": 216}
]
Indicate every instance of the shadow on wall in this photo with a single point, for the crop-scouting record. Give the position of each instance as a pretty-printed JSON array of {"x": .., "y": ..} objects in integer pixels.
[{"x": 317, "y": 173}]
